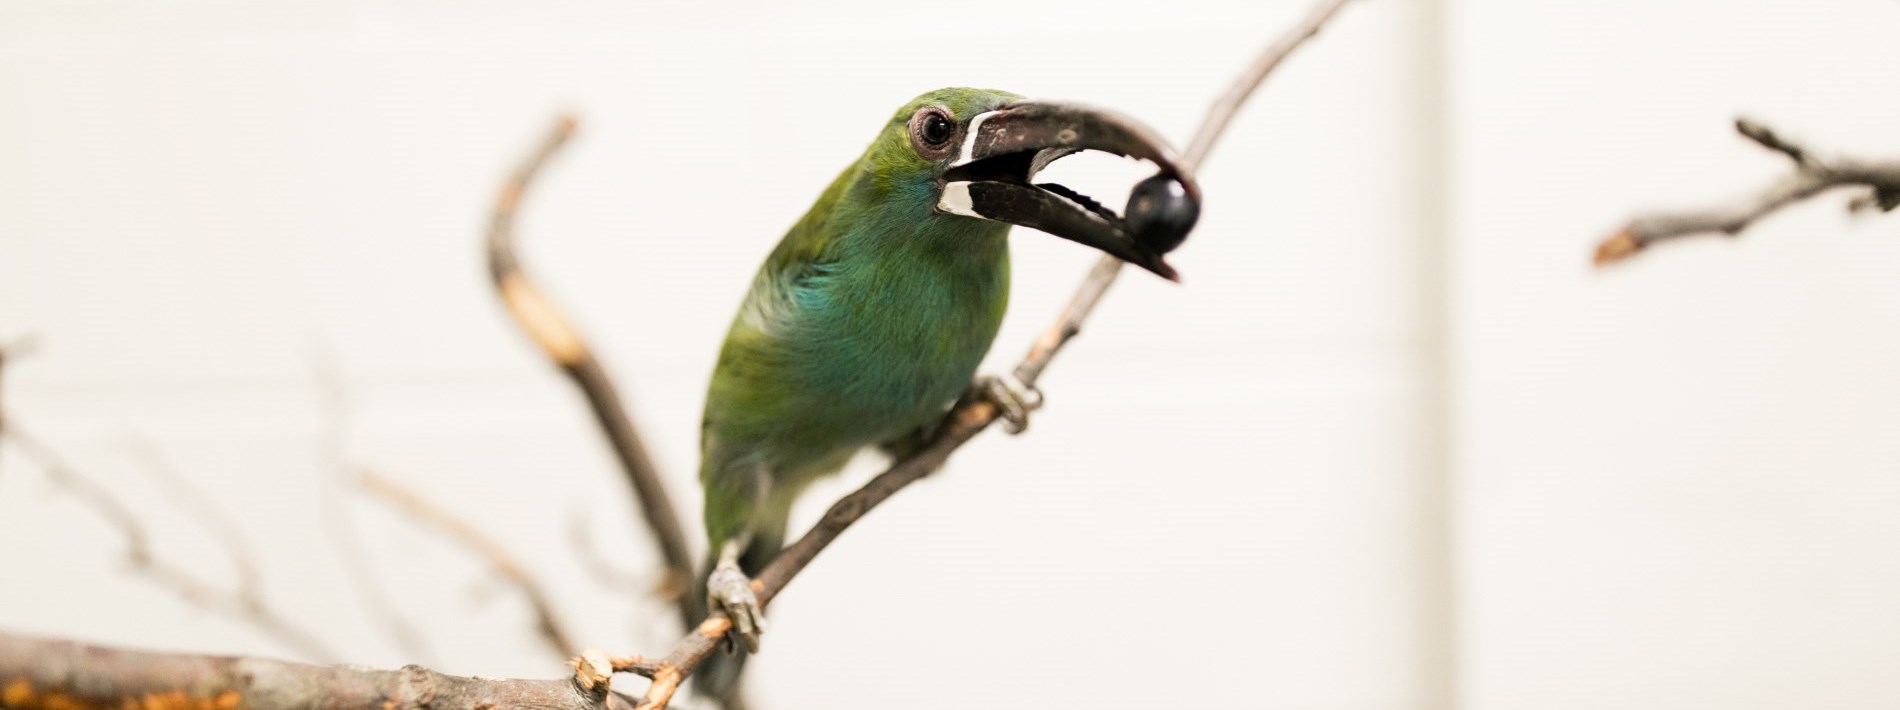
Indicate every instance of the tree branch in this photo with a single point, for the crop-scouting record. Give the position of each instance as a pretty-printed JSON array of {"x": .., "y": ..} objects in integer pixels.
[
  {"x": 594, "y": 561},
  {"x": 44, "y": 674},
  {"x": 1812, "y": 175},
  {"x": 9, "y": 352},
  {"x": 244, "y": 605},
  {"x": 6, "y": 351},
  {"x": 372, "y": 591},
  {"x": 207, "y": 513},
  {"x": 562, "y": 343},
  {"x": 477, "y": 541},
  {"x": 971, "y": 417}
]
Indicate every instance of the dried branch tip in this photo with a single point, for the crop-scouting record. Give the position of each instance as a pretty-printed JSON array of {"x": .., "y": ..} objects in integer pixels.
[
  {"x": 592, "y": 669},
  {"x": 1618, "y": 247}
]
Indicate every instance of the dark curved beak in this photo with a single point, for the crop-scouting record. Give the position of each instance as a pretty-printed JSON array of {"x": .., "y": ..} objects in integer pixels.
[{"x": 1002, "y": 150}]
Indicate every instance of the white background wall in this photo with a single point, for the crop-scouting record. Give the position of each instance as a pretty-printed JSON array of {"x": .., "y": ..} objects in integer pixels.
[
  {"x": 1676, "y": 479},
  {"x": 1392, "y": 445}
]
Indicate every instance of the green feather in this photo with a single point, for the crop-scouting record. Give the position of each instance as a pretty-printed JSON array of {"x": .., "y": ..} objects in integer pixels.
[{"x": 865, "y": 323}]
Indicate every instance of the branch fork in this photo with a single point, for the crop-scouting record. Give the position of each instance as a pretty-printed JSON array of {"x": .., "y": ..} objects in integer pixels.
[{"x": 1812, "y": 175}]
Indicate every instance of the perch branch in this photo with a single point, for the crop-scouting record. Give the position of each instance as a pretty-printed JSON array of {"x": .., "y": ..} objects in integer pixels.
[
  {"x": 970, "y": 417},
  {"x": 562, "y": 343},
  {"x": 243, "y": 605},
  {"x": 1812, "y": 175},
  {"x": 45, "y": 674},
  {"x": 473, "y": 538},
  {"x": 38, "y": 673}
]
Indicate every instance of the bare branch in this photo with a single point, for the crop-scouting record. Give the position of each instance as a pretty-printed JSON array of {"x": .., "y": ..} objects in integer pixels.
[
  {"x": 206, "y": 511},
  {"x": 969, "y": 418},
  {"x": 240, "y": 605},
  {"x": 46, "y": 674},
  {"x": 333, "y": 460},
  {"x": 472, "y": 537},
  {"x": 11, "y": 351},
  {"x": 562, "y": 343},
  {"x": 580, "y": 534},
  {"x": 1812, "y": 175},
  {"x": 1215, "y": 123}
]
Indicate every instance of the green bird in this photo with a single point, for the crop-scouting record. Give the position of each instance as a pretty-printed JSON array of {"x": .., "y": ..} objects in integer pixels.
[{"x": 871, "y": 316}]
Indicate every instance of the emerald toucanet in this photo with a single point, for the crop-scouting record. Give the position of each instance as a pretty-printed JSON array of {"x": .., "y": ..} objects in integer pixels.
[{"x": 870, "y": 317}]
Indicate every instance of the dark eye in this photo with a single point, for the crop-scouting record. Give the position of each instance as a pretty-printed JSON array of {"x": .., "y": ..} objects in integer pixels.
[
  {"x": 936, "y": 129},
  {"x": 931, "y": 131}
]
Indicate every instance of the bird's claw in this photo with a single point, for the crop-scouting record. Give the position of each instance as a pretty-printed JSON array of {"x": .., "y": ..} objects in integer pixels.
[
  {"x": 1012, "y": 397},
  {"x": 729, "y": 590}
]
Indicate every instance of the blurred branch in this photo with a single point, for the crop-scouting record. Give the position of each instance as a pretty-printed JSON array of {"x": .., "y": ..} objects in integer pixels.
[
  {"x": 201, "y": 508},
  {"x": 562, "y": 343},
  {"x": 244, "y": 605},
  {"x": 472, "y": 537},
  {"x": 973, "y": 415},
  {"x": 333, "y": 460},
  {"x": 1812, "y": 175},
  {"x": 581, "y": 536},
  {"x": 48, "y": 674},
  {"x": 9, "y": 352}
]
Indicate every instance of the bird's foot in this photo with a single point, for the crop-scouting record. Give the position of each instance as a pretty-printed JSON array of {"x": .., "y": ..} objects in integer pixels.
[
  {"x": 1012, "y": 397},
  {"x": 729, "y": 590}
]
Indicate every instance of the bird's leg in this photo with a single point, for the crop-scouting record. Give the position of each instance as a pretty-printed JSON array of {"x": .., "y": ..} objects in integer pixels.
[
  {"x": 729, "y": 589},
  {"x": 1012, "y": 396}
]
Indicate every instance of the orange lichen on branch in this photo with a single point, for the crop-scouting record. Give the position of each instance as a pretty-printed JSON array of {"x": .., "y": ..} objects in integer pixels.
[{"x": 21, "y": 695}]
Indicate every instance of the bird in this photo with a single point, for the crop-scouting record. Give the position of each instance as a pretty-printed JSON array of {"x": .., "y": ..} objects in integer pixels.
[{"x": 870, "y": 317}]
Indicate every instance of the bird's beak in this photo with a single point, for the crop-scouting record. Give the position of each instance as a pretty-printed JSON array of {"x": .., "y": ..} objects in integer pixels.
[{"x": 1002, "y": 150}]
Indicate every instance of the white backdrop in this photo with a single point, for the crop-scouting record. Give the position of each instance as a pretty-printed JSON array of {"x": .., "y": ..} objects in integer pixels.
[{"x": 1444, "y": 463}]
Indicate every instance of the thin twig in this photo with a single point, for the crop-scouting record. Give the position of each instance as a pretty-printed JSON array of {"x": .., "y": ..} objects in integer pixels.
[
  {"x": 970, "y": 417},
  {"x": 1812, "y": 175},
  {"x": 44, "y": 674},
  {"x": 478, "y": 541},
  {"x": 1215, "y": 123},
  {"x": 10, "y": 351},
  {"x": 242, "y": 605},
  {"x": 333, "y": 460},
  {"x": 5, "y": 352},
  {"x": 203, "y": 509},
  {"x": 580, "y": 535},
  {"x": 562, "y": 343}
]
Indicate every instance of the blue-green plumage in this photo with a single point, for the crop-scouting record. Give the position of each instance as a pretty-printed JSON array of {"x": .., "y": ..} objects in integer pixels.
[
  {"x": 867, "y": 320},
  {"x": 872, "y": 314},
  {"x": 864, "y": 324}
]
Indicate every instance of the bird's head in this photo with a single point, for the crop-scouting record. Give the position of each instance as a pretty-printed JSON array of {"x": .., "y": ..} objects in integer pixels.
[{"x": 973, "y": 153}]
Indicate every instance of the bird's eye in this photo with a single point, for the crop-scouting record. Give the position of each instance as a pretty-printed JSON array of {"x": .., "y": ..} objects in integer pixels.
[{"x": 931, "y": 132}]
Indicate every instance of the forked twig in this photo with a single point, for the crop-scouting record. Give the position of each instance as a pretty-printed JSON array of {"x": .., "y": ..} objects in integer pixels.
[
  {"x": 371, "y": 588},
  {"x": 1812, "y": 175},
  {"x": 243, "y": 605}
]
